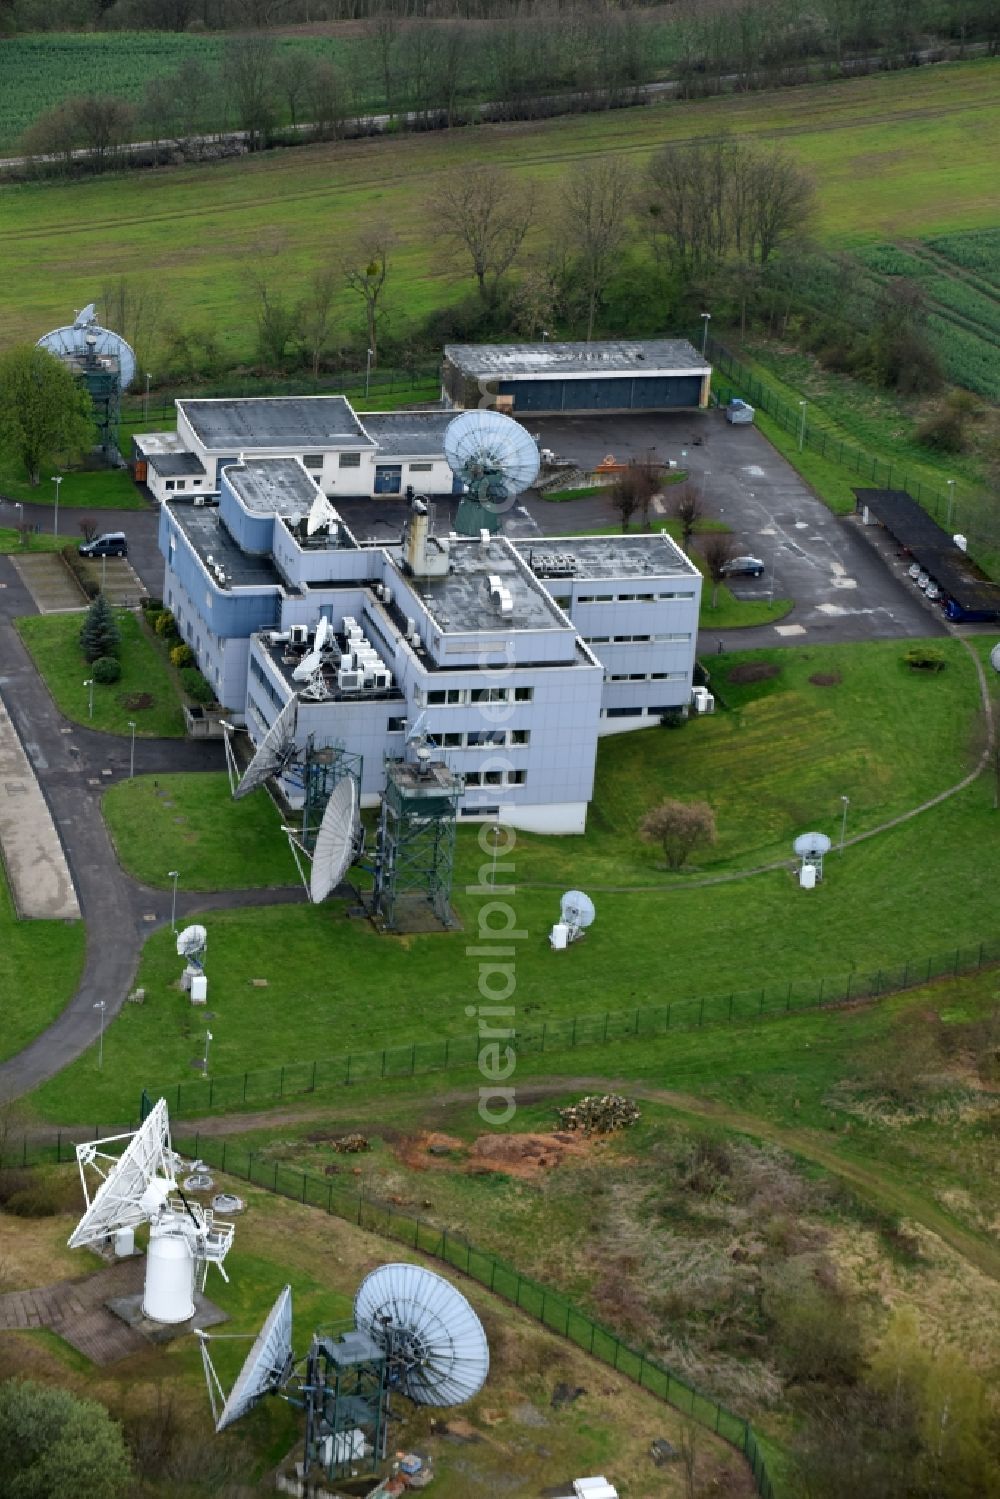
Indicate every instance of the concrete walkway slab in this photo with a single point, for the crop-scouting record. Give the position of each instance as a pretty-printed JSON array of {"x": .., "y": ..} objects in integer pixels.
[
  {"x": 50, "y": 583},
  {"x": 117, "y": 580},
  {"x": 40, "y": 882}
]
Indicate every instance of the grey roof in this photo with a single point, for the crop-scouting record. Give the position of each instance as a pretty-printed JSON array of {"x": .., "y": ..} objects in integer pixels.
[
  {"x": 272, "y": 486},
  {"x": 625, "y": 356},
  {"x": 210, "y": 538},
  {"x": 296, "y": 422},
  {"x": 652, "y": 556},
  {"x": 408, "y": 434},
  {"x": 171, "y": 464},
  {"x": 461, "y": 602}
]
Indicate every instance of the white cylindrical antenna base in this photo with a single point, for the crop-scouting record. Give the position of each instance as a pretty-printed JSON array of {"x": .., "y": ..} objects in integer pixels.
[{"x": 169, "y": 1292}]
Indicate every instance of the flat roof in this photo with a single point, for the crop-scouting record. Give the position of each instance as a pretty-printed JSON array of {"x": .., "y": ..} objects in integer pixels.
[
  {"x": 275, "y": 422},
  {"x": 159, "y": 442},
  {"x": 171, "y": 464},
  {"x": 272, "y": 486},
  {"x": 654, "y": 555},
  {"x": 461, "y": 602},
  {"x": 408, "y": 434},
  {"x": 209, "y": 538},
  {"x": 952, "y": 570},
  {"x": 627, "y": 356}
]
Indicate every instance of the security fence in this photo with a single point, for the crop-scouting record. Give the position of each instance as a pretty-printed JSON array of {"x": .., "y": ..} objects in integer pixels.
[
  {"x": 871, "y": 472},
  {"x": 565, "y": 1033}
]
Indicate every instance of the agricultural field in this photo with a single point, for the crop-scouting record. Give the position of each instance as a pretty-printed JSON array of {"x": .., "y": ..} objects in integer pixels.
[{"x": 60, "y": 242}]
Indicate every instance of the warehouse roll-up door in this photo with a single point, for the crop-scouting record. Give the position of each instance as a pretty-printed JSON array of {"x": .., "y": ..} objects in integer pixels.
[{"x": 604, "y": 393}]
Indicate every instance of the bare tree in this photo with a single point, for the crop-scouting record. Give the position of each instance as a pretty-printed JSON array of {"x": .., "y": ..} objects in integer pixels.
[
  {"x": 689, "y": 508},
  {"x": 593, "y": 223},
  {"x": 625, "y": 496},
  {"x": 135, "y": 308},
  {"x": 679, "y": 828},
  {"x": 251, "y": 79},
  {"x": 534, "y": 299},
  {"x": 648, "y": 483},
  {"x": 277, "y": 319},
  {"x": 365, "y": 273},
  {"x": 316, "y": 311},
  {"x": 292, "y": 81},
  {"x": 717, "y": 549},
  {"x": 326, "y": 97},
  {"x": 486, "y": 212}
]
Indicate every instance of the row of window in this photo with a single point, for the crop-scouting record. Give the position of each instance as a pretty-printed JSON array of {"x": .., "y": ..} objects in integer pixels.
[
  {"x": 638, "y": 712},
  {"x": 183, "y": 484},
  {"x": 483, "y": 739},
  {"x": 257, "y": 671},
  {"x": 646, "y": 676},
  {"x": 496, "y": 778},
  {"x": 353, "y": 460},
  {"x": 457, "y": 697},
  {"x": 677, "y": 638},
  {"x": 632, "y": 598}
]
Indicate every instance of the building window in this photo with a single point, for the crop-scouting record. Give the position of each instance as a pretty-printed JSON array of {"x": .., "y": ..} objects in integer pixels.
[
  {"x": 479, "y": 811},
  {"x": 453, "y": 697},
  {"x": 169, "y": 484},
  {"x": 623, "y": 712},
  {"x": 181, "y": 483},
  {"x": 474, "y": 778},
  {"x": 395, "y": 725},
  {"x": 313, "y": 460},
  {"x": 420, "y": 468},
  {"x": 450, "y": 741},
  {"x": 349, "y": 460},
  {"x": 520, "y": 736},
  {"x": 523, "y": 694},
  {"x": 488, "y": 695}
]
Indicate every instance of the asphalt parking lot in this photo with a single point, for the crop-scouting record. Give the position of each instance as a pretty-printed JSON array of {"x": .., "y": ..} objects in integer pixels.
[{"x": 841, "y": 587}]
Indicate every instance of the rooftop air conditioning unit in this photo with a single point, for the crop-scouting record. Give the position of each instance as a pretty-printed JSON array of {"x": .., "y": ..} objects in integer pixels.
[
  {"x": 506, "y": 601},
  {"x": 199, "y": 499},
  {"x": 349, "y": 623},
  {"x": 702, "y": 700},
  {"x": 348, "y": 681},
  {"x": 414, "y": 637},
  {"x": 381, "y": 679},
  {"x": 277, "y": 637},
  {"x": 299, "y": 634}
]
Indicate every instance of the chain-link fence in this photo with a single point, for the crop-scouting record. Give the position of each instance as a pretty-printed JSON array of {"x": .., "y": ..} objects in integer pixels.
[
  {"x": 954, "y": 512},
  {"x": 564, "y": 1033}
]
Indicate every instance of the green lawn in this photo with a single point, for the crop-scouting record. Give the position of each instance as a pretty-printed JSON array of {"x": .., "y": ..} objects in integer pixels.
[
  {"x": 10, "y": 541},
  {"x": 191, "y": 823},
  {"x": 40, "y": 967},
  {"x": 933, "y": 132},
  {"x": 146, "y": 691},
  {"x": 90, "y": 489}
]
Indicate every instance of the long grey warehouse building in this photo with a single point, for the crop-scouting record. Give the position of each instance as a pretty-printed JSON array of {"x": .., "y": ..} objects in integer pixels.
[{"x": 548, "y": 379}]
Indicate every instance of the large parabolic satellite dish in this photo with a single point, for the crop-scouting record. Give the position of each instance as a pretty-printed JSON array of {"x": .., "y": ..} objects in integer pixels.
[
  {"x": 267, "y": 1365},
  {"x": 335, "y": 840},
  {"x": 275, "y": 752},
  {"x": 135, "y": 1185},
  {"x": 433, "y": 1339},
  {"x": 491, "y": 453},
  {"x": 86, "y": 336}
]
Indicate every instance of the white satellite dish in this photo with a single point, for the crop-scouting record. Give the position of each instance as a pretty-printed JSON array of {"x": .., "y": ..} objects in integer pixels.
[
  {"x": 274, "y": 753},
  {"x": 85, "y": 336},
  {"x": 192, "y": 942},
  {"x": 417, "y": 730},
  {"x": 812, "y": 845},
  {"x": 432, "y": 1338},
  {"x": 577, "y": 911},
  {"x": 265, "y": 1370},
  {"x": 491, "y": 453},
  {"x": 322, "y": 633},
  {"x": 307, "y": 666},
  {"x": 321, "y": 513},
  {"x": 995, "y": 658},
  {"x": 334, "y": 848}
]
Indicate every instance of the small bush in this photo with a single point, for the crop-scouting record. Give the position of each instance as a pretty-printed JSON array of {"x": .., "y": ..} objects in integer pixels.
[
  {"x": 165, "y": 623},
  {"x": 181, "y": 655},
  {"x": 674, "y": 718},
  {"x": 107, "y": 669},
  {"x": 195, "y": 686},
  {"x": 150, "y": 607},
  {"x": 943, "y": 430},
  {"x": 752, "y": 671},
  {"x": 925, "y": 658}
]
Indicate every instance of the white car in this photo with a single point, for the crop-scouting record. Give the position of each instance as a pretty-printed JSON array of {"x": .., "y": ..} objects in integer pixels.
[
  {"x": 743, "y": 567},
  {"x": 932, "y": 591},
  {"x": 923, "y": 580}
]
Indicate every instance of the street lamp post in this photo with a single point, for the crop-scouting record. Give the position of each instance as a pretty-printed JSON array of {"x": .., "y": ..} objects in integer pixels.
[
  {"x": 173, "y": 874},
  {"x": 705, "y": 319},
  {"x": 846, "y": 801},
  {"x": 951, "y": 501},
  {"x": 545, "y": 335},
  {"x": 802, "y": 425},
  {"x": 208, "y": 1042},
  {"x": 57, "y": 480},
  {"x": 101, "y": 1005},
  {"x": 104, "y": 571},
  {"x": 368, "y": 370},
  {"x": 89, "y": 682},
  {"x": 145, "y": 403},
  {"x": 131, "y": 757}
]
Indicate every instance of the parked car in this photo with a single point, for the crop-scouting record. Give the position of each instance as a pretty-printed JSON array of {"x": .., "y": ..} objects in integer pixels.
[
  {"x": 932, "y": 591},
  {"x": 109, "y": 544},
  {"x": 914, "y": 570},
  {"x": 740, "y": 413},
  {"x": 743, "y": 567},
  {"x": 923, "y": 580}
]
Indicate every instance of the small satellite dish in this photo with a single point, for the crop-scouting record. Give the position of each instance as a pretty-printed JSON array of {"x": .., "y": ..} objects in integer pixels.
[
  {"x": 995, "y": 658},
  {"x": 192, "y": 942},
  {"x": 335, "y": 841},
  {"x": 577, "y": 911},
  {"x": 86, "y": 315},
  {"x": 417, "y": 729},
  {"x": 307, "y": 666},
  {"x": 322, "y": 633},
  {"x": 433, "y": 1340},
  {"x": 266, "y": 1367},
  {"x": 274, "y": 753},
  {"x": 812, "y": 845},
  {"x": 321, "y": 513}
]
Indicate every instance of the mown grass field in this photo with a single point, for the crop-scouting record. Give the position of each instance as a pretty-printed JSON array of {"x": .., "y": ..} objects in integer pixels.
[
  {"x": 895, "y": 154},
  {"x": 90, "y": 489},
  {"x": 145, "y": 692},
  {"x": 40, "y": 966}
]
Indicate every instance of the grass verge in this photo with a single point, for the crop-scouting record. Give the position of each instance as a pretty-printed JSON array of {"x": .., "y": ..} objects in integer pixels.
[
  {"x": 40, "y": 967},
  {"x": 145, "y": 693},
  {"x": 81, "y": 489}
]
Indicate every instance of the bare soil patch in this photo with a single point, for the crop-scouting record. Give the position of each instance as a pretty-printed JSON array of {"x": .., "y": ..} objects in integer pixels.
[
  {"x": 826, "y": 679},
  {"x": 526, "y": 1156},
  {"x": 752, "y": 671},
  {"x": 136, "y": 700}
]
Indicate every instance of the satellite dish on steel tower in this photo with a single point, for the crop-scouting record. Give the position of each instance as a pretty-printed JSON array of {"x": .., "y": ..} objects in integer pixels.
[
  {"x": 336, "y": 841},
  {"x": 84, "y": 339},
  {"x": 433, "y": 1341},
  {"x": 266, "y": 1369},
  {"x": 276, "y": 751},
  {"x": 496, "y": 459}
]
